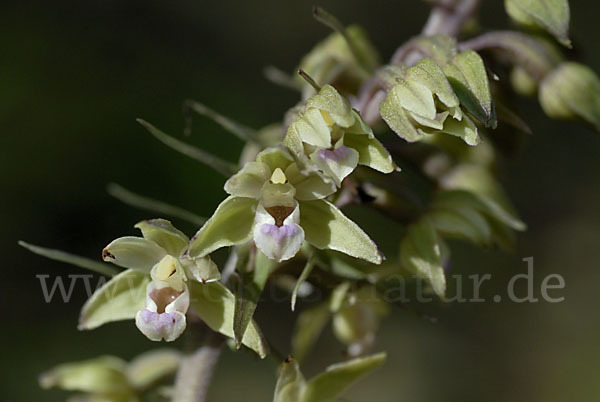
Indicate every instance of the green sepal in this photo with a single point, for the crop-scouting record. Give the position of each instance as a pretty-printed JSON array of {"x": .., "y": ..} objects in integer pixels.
[
  {"x": 163, "y": 233},
  {"x": 326, "y": 227},
  {"x": 134, "y": 253},
  {"x": 215, "y": 305},
  {"x": 231, "y": 224},
  {"x": 118, "y": 299},
  {"x": 468, "y": 77}
]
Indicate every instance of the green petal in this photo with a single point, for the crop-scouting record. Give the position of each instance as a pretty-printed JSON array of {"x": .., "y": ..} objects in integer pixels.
[
  {"x": 329, "y": 100},
  {"x": 371, "y": 152},
  {"x": 290, "y": 383},
  {"x": 312, "y": 128},
  {"x": 420, "y": 252},
  {"x": 551, "y": 15},
  {"x": 415, "y": 97},
  {"x": 133, "y": 252},
  {"x": 100, "y": 375},
  {"x": 464, "y": 129},
  {"x": 249, "y": 181},
  {"x": 163, "y": 233},
  {"x": 326, "y": 227},
  {"x": 468, "y": 77},
  {"x": 231, "y": 224},
  {"x": 152, "y": 366},
  {"x": 118, "y": 299},
  {"x": 275, "y": 157},
  {"x": 397, "y": 119},
  {"x": 428, "y": 73},
  {"x": 330, "y": 384},
  {"x": 215, "y": 305},
  {"x": 309, "y": 187}
]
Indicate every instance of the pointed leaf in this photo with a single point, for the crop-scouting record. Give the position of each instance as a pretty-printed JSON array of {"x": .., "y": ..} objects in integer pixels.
[
  {"x": 231, "y": 224},
  {"x": 118, "y": 299},
  {"x": 215, "y": 305},
  {"x": 326, "y": 227},
  {"x": 149, "y": 204},
  {"x": 371, "y": 152},
  {"x": 210, "y": 160},
  {"x": 337, "y": 378},
  {"x": 62, "y": 256}
]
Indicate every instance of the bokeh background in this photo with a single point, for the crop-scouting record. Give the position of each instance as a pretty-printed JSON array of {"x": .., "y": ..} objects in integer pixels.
[{"x": 75, "y": 74}]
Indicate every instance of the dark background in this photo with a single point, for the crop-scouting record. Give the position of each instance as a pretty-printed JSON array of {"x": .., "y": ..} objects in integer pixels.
[{"x": 75, "y": 74}]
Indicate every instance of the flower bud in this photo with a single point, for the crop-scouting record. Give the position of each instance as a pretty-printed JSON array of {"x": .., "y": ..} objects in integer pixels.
[{"x": 571, "y": 91}]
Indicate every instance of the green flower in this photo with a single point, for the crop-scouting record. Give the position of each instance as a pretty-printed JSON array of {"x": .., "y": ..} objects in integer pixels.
[
  {"x": 278, "y": 207},
  {"x": 330, "y": 136},
  {"x": 422, "y": 102},
  {"x": 160, "y": 264}
]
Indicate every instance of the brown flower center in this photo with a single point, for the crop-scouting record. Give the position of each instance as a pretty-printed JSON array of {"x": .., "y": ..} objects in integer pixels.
[
  {"x": 163, "y": 297},
  {"x": 279, "y": 213}
]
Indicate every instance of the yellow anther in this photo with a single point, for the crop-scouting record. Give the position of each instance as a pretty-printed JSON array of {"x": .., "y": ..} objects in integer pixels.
[
  {"x": 166, "y": 267},
  {"x": 327, "y": 118},
  {"x": 278, "y": 177}
]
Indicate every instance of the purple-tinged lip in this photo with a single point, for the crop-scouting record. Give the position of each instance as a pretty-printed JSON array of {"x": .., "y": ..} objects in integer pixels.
[
  {"x": 279, "y": 232},
  {"x": 158, "y": 321},
  {"x": 335, "y": 155}
]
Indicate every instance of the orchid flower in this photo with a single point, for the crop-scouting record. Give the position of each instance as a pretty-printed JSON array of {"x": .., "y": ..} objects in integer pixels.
[{"x": 278, "y": 207}]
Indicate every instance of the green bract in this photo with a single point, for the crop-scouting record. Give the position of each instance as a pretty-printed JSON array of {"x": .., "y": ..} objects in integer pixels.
[
  {"x": 279, "y": 207},
  {"x": 422, "y": 101},
  {"x": 330, "y": 136}
]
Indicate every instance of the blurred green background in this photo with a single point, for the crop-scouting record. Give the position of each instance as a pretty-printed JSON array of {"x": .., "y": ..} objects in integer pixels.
[{"x": 75, "y": 74}]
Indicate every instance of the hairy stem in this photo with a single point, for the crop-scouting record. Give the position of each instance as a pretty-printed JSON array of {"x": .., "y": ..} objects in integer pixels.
[
  {"x": 449, "y": 16},
  {"x": 196, "y": 371}
]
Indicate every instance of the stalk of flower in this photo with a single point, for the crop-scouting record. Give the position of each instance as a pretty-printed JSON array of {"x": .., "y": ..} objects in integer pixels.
[
  {"x": 329, "y": 136},
  {"x": 279, "y": 207},
  {"x": 160, "y": 254}
]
